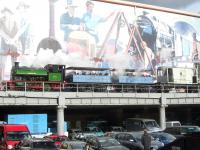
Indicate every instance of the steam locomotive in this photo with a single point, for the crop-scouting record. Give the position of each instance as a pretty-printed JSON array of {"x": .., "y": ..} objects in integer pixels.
[
  {"x": 55, "y": 77},
  {"x": 47, "y": 78}
]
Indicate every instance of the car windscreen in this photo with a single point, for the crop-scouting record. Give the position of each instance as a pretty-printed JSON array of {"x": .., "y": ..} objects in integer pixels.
[
  {"x": 138, "y": 136},
  {"x": 60, "y": 139},
  {"x": 168, "y": 136},
  {"x": 150, "y": 124},
  {"x": 164, "y": 136},
  {"x": 176, "y": 124},
  {"x": 17, "y": 136},
  {"x": 108, "y": 142},
  {"x": 190, "y": 129}
]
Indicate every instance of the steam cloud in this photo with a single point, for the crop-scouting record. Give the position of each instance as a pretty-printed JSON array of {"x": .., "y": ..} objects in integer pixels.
[
  {"x": 119, "y": 61},
  {"x": 46, "y": 56}
]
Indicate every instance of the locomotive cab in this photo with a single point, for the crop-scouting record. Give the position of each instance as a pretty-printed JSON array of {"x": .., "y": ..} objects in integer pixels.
[{"x": 55, "y": 72}]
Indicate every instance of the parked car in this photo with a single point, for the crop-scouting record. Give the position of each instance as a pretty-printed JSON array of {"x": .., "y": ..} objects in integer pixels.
[
  {"x": 155, "y": 143},
  {"x": 163, "y": 137},
  {"x": 89, "y": 131},
  {"x": 95, "y": 130},
  {"x": 58, "y": 139},
  {"x": 36, "y": 144},
  {"x": 179, "y": 131},
  {"x": 74, "y": 133},
  {"x": 84, "y": 135},
  {"x": 12, "y": 134},
  {"x": 72, "y": 145},
  {"x": 186, "y": 142},
  {"x": 139, "y": 124},
  {"x": 106, "y": 143},
  {"x": 102, "y": 124},
  {"x": 172, "y": 124},
  {"x": 128, "y": 140}
]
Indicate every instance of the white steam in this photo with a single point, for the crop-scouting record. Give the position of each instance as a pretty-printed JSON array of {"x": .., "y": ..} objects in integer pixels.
[
  {"x": 46, "y": 56},
  {"x": 119, "y": 61}
]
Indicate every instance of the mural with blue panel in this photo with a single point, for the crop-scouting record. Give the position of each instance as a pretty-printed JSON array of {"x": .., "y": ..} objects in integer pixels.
[{"x": 37, "y": 123}]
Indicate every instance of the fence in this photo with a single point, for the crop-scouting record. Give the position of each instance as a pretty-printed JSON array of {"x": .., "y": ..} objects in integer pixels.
[{"x": 88, "y": 87}]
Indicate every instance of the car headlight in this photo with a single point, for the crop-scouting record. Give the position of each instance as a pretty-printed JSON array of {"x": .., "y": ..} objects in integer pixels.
[{"x": 10, "y": 146}]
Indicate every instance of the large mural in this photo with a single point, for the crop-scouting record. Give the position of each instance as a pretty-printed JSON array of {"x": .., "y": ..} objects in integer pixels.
[{"x": 94, "y": 34}]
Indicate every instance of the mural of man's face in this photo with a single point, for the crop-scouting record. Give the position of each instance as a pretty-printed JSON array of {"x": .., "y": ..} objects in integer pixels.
[
  {"x": 90, "y": 7},
  {"x": 7, "y": 13}
]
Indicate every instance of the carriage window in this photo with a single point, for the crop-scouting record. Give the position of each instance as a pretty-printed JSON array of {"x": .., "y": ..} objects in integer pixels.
[
  {"x": 170, "y": 74},
  {"x": 160, "y": 72}
]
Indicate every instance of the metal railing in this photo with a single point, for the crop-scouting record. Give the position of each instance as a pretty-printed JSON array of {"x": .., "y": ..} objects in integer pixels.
[{"x": 83, "y": 87}]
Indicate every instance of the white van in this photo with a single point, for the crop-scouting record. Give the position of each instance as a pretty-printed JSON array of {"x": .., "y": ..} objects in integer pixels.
[
  {"x": 139, "y": 124},
  {"x": 173, "y": 124}
]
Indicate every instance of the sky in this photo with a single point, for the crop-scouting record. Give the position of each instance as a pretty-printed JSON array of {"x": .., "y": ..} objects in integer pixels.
[{"x": 186, "y": 5}]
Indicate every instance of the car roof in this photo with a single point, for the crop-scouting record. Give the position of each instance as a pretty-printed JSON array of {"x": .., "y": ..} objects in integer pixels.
[
  {"x": 55, "y": 136},
  {"x": 102, "y": 137},
  {"x": 189, "y": 126},
  {"x": 183, "y": 126},
  {"x": 160, "y": 133},
  {"x": 130, "y": 133},
  {"x": 74, "y": 141},
  {"x": 172, "y": 121},
  {"x": 116, "y": 126},
  {"x": 143, "y": 119},
  {"x": 37, "y": 140},
  {"x": 15, "y": 127}
]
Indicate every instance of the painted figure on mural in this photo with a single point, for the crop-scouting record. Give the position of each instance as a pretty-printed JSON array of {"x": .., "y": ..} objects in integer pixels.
[
  {"x": 195, "y": 48},
  {"x": 148, "y": 56},
  {"x": 24, "y": 32},
  {"x": 68, "y": 22},
  {"x": 91, "y": 20},
  {"x": 9, "y": 41},
  {"x": 8, "y": 30}
]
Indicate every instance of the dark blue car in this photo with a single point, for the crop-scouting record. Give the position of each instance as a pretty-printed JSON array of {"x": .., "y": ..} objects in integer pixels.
[{"x": 163, "y": 137}]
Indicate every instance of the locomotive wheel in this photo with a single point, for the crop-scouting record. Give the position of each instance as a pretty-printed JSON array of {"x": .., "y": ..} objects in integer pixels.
[
  {"x": 47, "y": 87},
  {"x": 11, "y": 86}
]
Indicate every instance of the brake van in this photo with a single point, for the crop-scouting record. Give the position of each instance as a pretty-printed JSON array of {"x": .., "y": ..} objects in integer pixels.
[{"x": 12, "y": 134}]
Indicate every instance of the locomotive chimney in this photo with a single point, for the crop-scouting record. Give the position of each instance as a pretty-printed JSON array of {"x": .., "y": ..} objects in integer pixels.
[{"x": 16, "y": 64}]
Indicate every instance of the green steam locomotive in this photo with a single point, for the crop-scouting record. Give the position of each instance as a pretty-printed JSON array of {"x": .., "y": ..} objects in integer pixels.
[{"x": 47, "y": 78}]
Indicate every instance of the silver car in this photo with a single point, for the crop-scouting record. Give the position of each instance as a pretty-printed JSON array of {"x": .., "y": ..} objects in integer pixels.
[{"x": 72, "y": 145}]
